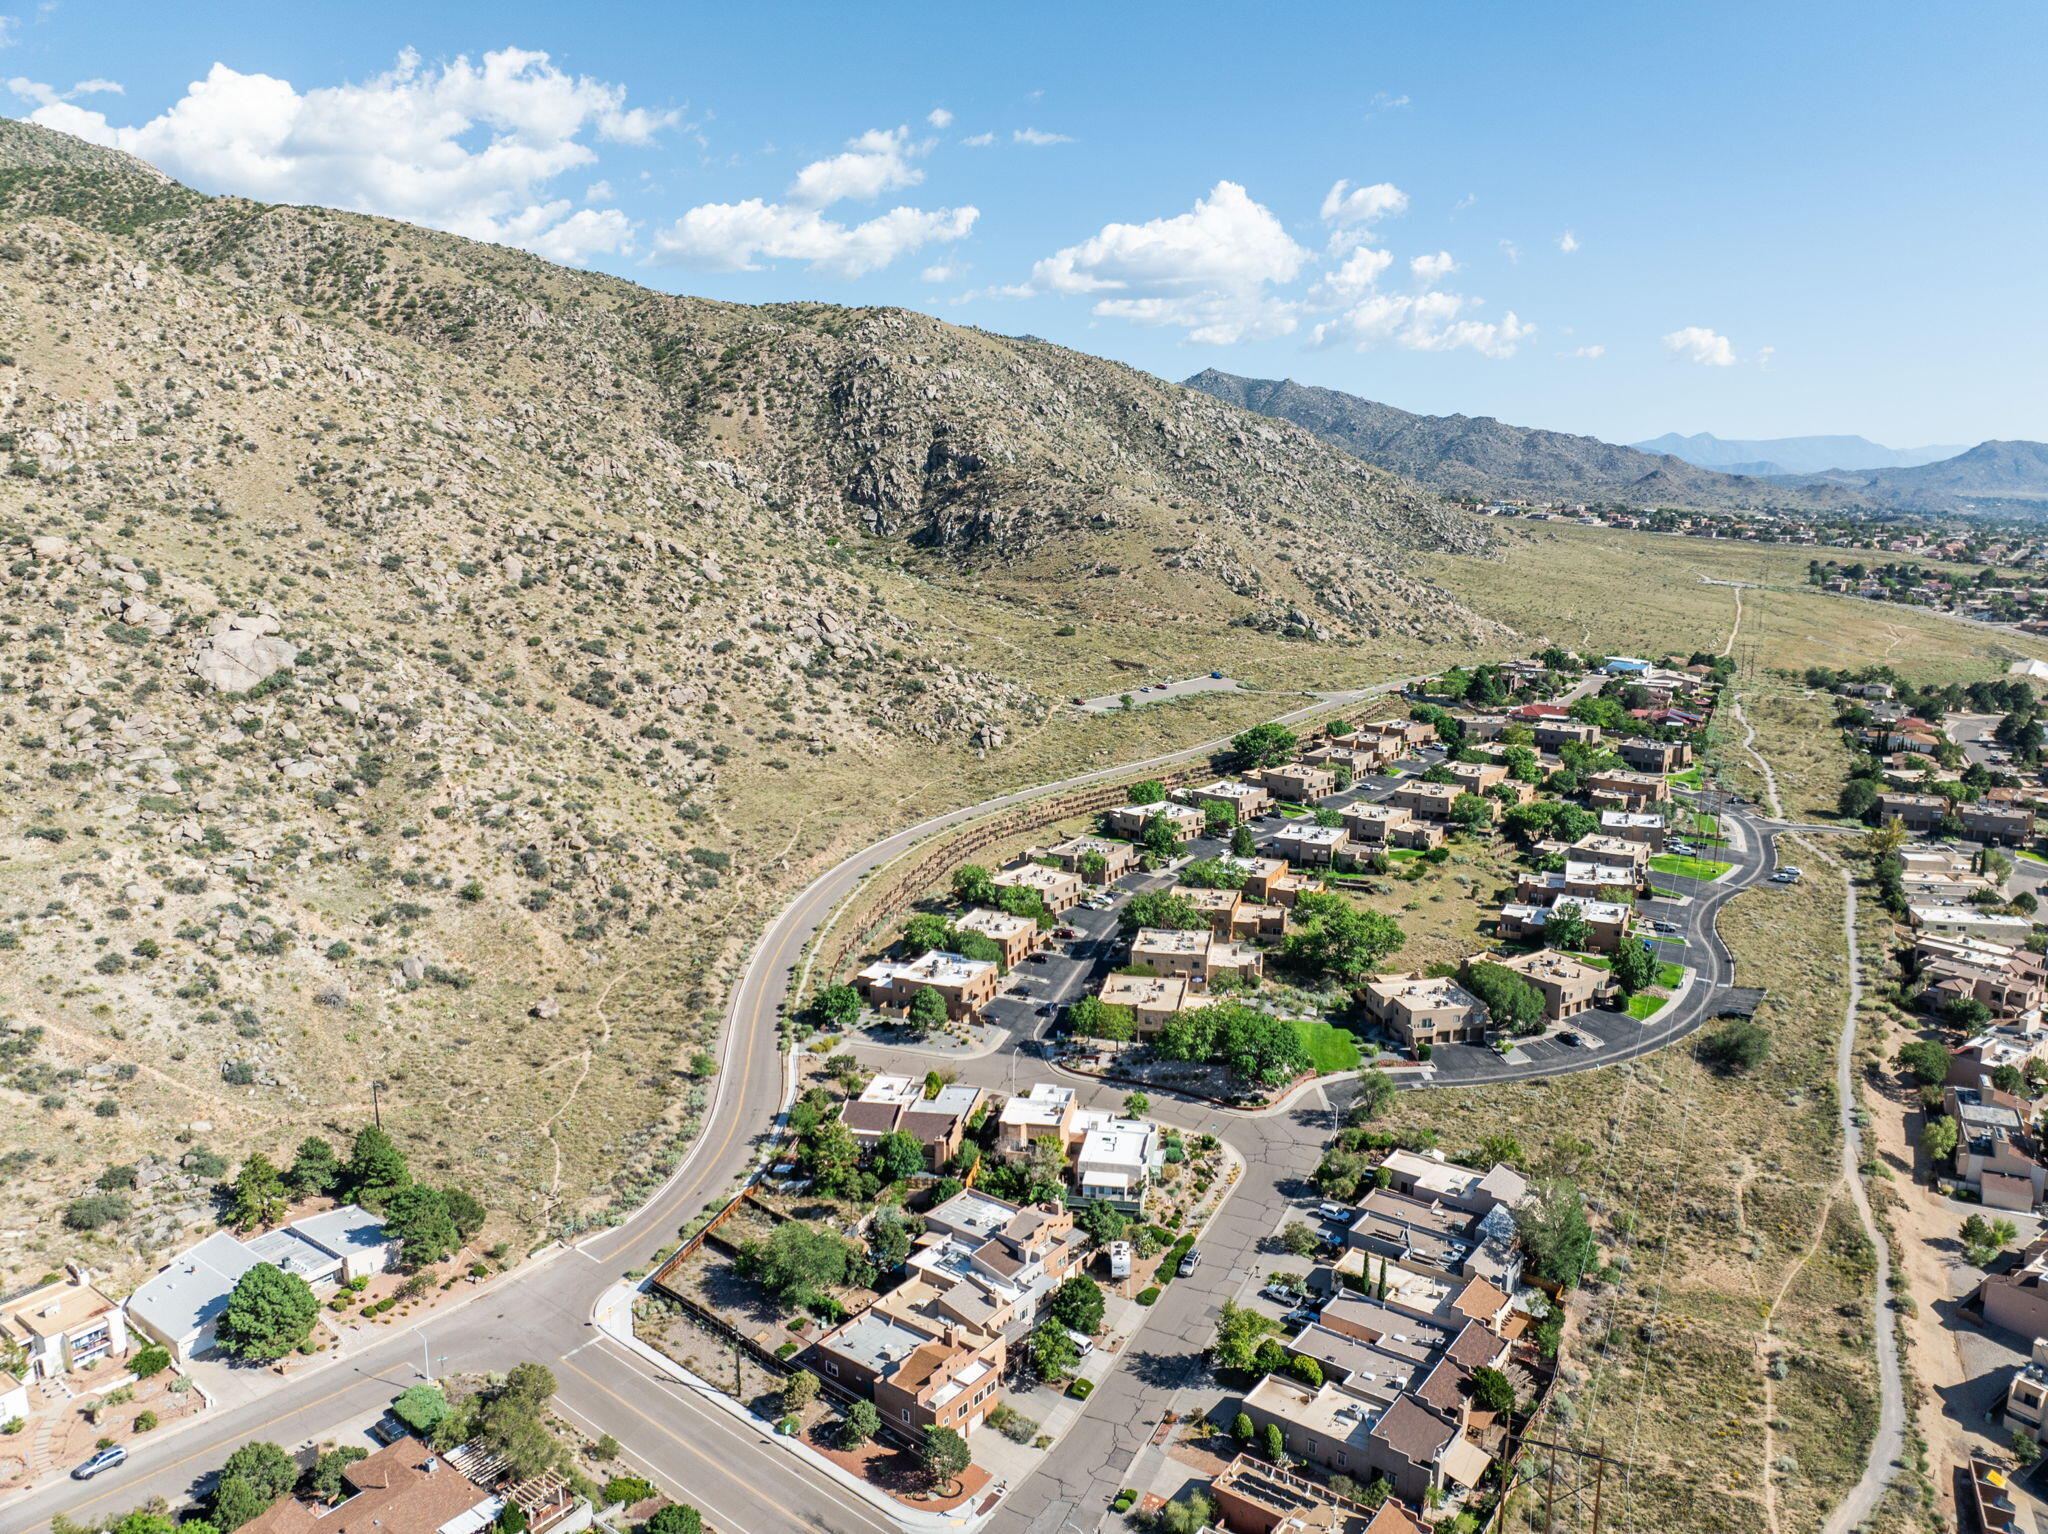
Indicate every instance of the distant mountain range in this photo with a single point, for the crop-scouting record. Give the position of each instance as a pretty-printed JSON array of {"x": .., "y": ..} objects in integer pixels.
[
  {"x": 1477, "y": 455},
  {"x": 1988, "y": 471},
  {"x": 1792, "y": 455}
]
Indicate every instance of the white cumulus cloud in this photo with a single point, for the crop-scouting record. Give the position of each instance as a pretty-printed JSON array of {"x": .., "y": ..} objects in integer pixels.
[
  {"x": 939, "y": 117},
  {"x": 1038, "y": 137},
  {"x": 1696, "y": 343},
  {"x": 740, "y": 236},
  {"x": 1567, "y": 242},
  {"x": 1346, "y": 206},
  {"x": 1589, "y": 351},
  {"x": 876, "y": 162},
  {"x": 979, "y": 141},
  {"x": 1430, "y": 270},
  {"x": 1207, "y": 271},
  {"x": 469, "y": 147},
  {"x": 1422, "y": 322}
]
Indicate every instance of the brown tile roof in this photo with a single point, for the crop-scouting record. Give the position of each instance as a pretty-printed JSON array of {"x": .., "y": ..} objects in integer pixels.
[
  {"x": 405, "y": 1488},
  {"x": 1473, "y": 1346},
  {"x": 1444, "y": 1389},
  {"x": 1479, "y": 1300},
  {"x": 1393, "y": 1518},
  {"x": 871, "y": 1118},
  {"x": 1413, "y": 1431},
  {"x": 921, "y": 1365}
]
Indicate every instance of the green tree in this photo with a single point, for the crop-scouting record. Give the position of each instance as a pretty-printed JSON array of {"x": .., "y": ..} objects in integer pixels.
[
  {"x": 1376, "y": 1094},
  {"x": 467, "y": 1212},
  {"x": 676, "y": 1518},
  {"x": 1242, "y": 842},
  {"x": 1297, "y": 1239},
  {"x": 1163, "y": 908},
  {"x": 1333, "y": 937},
  {"x": 1556, "y": 1236},
  {"x": 1256, "y": 1046},
  {"x": 837, "y": 1007},
  {"x": 324, "y": 1479},
  {"x": 421, "y": 1408},
  {"x": 417, "y": 1218},
  {"x": 1635, "y": 966},
  {"x": 269, "y": 1313},
  {"x": 1103, "y": 1221},
  {"x": 944, "y": 1455},
  {"x": 799, "y": 1390},
  {"x": 899, "y": 1155},
  {"x": 829, "y": 1154},
  {"x": 1471, "y": 811},
  {"x": 1239, "y": 1331},
  {"x": 1264, "y": 745},
  {"x": 1137, "y": 1104},
  {"x": 1511, "y": 1001},
  {"x": 258, "y": 1196},
  {"x": 1493, "y": 1391},
  {"x": 1567, "y": 928},
  {"x": 1091, "y": 1017},
  {"x": 927, "y": 1010},
  {"x": 1983, "y": 1240},
  {"x": 1160, "y": 835},
  {"x": 798, "y": 1261},
  {"x": 860, "y": 1423},
  {"x": 1051, "y": 1352},
  {"x": 1276, "y": 1444},
  {"x": 1151, "y": 791},
  {"x": 376, "y": 1168},
  {"x": 1737, "y": 1047},
  {"x": 314, "y": 1169},
  {"x": 1216, "y": 874},
  {"x": 1924, "y": 1060},
  {"x": 1077, "y": 1305},
  {"x": 974, "y": 885},
  {"x": 253, "y": 1477},
  {"x": 1938, "y": 1139},
  {"x": 1242, "y": 1428},
  {"x": 925, "y": 931}
]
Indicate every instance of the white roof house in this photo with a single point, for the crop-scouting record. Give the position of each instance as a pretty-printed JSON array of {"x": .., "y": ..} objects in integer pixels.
[
  {"x": 183, "y": 1304},
  {"x": 1969, "y": 921},
  {"x": 1046, "y": 1105},
  {"x": 1116, "y": 1157}
]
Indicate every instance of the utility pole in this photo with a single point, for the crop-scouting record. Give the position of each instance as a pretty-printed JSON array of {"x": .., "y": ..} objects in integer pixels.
[{"x": 376, "y": 1109}]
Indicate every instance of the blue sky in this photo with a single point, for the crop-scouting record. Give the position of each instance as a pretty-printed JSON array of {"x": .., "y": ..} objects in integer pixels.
[{"x": 1756, "y": 220}]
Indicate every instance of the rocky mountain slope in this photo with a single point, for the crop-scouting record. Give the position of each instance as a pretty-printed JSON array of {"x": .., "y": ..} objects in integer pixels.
[
  {"x": 421, "y": 665},
  {"x": 1479, "y": 456}
]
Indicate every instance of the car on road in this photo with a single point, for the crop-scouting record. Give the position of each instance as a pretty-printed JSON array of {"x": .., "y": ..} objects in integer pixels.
[
  {"x": 106, "y": 1459},
  {"x": 387, "y": 1429},
  {"x": 1189, "y": 1262},
  {"x": 1215, "y": 676},
  {"x": 1302, "y": 1315},
  {"x": 1036, "y": 958},
  {"x": 1664, "y": 926},
  {"x": 1065, "y": 932},
  {"x": 1048, "y": 1009},
  {"x": 1785, "y": 876}
]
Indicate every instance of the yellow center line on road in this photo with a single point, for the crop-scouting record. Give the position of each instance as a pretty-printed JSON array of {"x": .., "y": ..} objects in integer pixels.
[{"x": 795, "y": 1521}]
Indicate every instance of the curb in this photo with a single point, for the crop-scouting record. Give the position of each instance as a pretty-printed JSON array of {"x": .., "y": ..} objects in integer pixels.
[{"x": 604, "y": 1315}]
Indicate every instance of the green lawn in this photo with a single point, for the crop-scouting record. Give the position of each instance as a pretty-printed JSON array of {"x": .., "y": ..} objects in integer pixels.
[
  {"x": 1642, "y": 1005},
  {"x": 1690, "y": 778},
  {"x": 1686, "y": 867},
  {"x": 1330, "y": 1047},
  {"x": 1669, "y": 975},
  {"x": 1663, "y": 894}
]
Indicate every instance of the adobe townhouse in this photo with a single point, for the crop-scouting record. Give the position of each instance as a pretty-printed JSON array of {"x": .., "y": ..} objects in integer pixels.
[
  {"x": 1626, "y": 790},
  {"x": 1018, "y": 936},
  {"x": 1247, "y": 801},
  {"x": 898, "y": 1105},
  {"x": 967, "y": 985},
  {"x": 1196, "y": 956},
  {"x": 1919, "y": 812},
  {"x": 1567, "y": 985},
  {"x": 1130, "y": 819},
  {"x": 1643, "y": 826},
  {"x": 2006, "y": 823},
  {"x": 1153, "y": 999},
  {"x": 1418, "y": 1010},
  {"x": 62, "y": 1325},
  {"x": 1428, "y": 801},
  {"x": 1311, "y": 845},
  {"x": 1387, "y": 825},
  {"x": 1654, "y": 755},
  {"x": 1607, "y": 921},
  {"x": 1057, "y": 887},
  {"x": 1078, "y": 854},
  {"x": 1298, "y": 782}
]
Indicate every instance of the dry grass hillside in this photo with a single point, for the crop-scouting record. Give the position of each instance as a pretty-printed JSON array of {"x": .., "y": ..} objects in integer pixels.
[{"x": 423, "y": 665}]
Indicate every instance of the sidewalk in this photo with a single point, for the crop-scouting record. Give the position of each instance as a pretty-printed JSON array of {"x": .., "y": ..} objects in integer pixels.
[{"x": 613, "y": 1317}]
